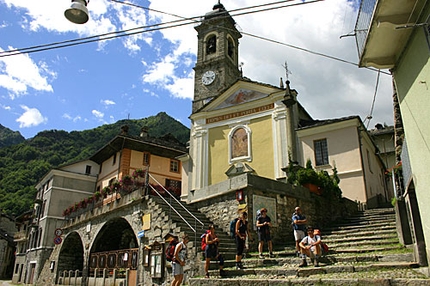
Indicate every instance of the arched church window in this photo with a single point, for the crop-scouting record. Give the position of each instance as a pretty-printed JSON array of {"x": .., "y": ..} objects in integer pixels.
[
  {"x": 240, "y": 144},
  {"x": 230, "y": 48},
  {"x": 211, "y": 45}
]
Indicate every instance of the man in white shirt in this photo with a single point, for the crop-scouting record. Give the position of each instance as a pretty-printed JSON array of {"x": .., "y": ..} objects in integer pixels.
[{"x": 310, "y": 246}]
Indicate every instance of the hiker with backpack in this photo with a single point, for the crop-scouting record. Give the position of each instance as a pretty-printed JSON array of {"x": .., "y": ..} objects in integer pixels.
[
  {"x": 210, "y": 245},
  {"x": 310, "y": 246},
  {"x": 299, "y": 226},
  {"x": 242, "y": 231},
  {"x": 178, "y": 262},
  {"x": 263, "y": 223}
]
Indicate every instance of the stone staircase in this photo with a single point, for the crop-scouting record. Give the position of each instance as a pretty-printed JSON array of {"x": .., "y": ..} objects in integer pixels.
[
  {"x": 228, "y": 247},
  {"x": 364, "y": 250}
]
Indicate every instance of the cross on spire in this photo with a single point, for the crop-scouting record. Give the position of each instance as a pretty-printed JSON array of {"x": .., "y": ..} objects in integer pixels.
[{"x": 287, "y": 71}]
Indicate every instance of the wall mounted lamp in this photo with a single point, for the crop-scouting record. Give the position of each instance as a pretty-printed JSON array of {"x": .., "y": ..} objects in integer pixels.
[{"x": 78, "y": 12}]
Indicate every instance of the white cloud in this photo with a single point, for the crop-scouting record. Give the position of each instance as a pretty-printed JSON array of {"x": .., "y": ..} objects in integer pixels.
[
  {"x": 31, "y": 117},
  {"x": 98, "y": 114},
  {"x": 5, "y": 107},
  {"x": 107, "y": 102},
  {"x": 18, "y": 73},
  {"x": 74, "y": 119}
]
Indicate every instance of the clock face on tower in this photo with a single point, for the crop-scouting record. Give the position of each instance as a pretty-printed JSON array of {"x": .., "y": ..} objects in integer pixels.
[{"x": 208, "y": 77}]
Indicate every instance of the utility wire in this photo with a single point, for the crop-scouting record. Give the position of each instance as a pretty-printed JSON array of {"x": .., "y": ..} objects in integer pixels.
[
  {"x": 370, "y": 116},
  {"x": 111, "y": 35},
  {"x": 173, "y": 24}
]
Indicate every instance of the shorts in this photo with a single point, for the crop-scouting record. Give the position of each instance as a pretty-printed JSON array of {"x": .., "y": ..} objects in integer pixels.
[
  {"x": 264, "y": 236},
  {"x": 240, "y": 246},
  {"x": 299, "y": 234},
  {"x": 211, "y": 251},
  {"x": 177, "y": 269}
]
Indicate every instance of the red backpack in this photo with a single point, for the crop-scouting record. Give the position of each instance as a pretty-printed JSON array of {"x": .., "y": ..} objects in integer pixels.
[
  {"x": 203, "y": 238},
  {"x": 170, "y": 250}
]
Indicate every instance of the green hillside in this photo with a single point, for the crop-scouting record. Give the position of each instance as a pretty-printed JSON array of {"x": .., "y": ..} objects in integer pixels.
[{"x": 23, "y": 164}]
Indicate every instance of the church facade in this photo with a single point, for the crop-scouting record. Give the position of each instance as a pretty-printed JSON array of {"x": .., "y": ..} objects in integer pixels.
[{"x": 243, "y": 126}]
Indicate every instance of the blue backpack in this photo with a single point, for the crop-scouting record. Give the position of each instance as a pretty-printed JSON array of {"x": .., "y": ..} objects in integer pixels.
[{"x": 233, "y": 228}]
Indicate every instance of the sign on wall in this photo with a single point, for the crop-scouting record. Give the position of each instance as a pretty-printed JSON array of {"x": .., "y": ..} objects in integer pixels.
[
  {"x": 260, "y": 202},
  {"x": 146, "y": 222}
]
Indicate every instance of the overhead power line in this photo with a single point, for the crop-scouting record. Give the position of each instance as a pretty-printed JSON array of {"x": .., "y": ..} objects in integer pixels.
[
  {"x": 142, "y": 29},
  {"x": 173, "y": 24}
]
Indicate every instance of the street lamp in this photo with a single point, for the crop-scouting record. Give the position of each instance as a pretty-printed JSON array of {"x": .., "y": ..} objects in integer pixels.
[{"x": 78, "y": 12}]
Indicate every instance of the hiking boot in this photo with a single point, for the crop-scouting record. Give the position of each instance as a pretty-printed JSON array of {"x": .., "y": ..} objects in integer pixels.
[
  {"x": 304, "y": 263},
  {"x": 261, "y": 256},
  {"x": 239, "y": 266},
  {"x": 222, "y": 273},
  {"x": 316, "y": 264},
  {"x": 271, "y": 255},
  {"x": 207, "y": 275}
]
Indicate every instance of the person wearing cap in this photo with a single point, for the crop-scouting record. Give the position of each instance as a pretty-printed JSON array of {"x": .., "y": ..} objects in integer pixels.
[
  {"x": 310, "y": 246},
  {"x": 299, "y": 226},
  {"x": 263, "y": 224}
]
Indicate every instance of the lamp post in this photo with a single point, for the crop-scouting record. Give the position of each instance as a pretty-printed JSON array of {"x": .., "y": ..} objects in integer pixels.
[{"x": 78, "y": 12}]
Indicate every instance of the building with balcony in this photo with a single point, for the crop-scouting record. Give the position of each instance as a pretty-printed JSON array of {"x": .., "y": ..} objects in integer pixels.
[
  {"x": 395, "y": 35},
  {"x": 23, "y": 223},
  {"x": 7, "y": 245},
  {"x": 57, "y": 190}
]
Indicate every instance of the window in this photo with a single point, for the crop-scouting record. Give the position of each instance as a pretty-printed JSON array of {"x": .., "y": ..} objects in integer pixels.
[
  {"x": 211, "y": 45},
  {"x": 230, "y": 48},
  {"x": 114, "y": 159},
  {"x": 146, "y": 157},
  {"x": 174, "y": 184},
  {"x": 88, "y": 170},
  {"x": 321, "y": 152},
  {"x": 174, "y": 166}
]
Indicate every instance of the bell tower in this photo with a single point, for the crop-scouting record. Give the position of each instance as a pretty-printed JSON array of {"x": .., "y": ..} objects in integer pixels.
[{"x": 217, "y": 65}]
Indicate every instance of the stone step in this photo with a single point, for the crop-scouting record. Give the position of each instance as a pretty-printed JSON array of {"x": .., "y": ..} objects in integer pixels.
[
  {"x": 349, "y": 229},
  {"x": 393, "y": 273}
]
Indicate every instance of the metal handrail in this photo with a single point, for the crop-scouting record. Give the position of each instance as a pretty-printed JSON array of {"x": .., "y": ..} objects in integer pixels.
[{"x": 171, "y": 196}]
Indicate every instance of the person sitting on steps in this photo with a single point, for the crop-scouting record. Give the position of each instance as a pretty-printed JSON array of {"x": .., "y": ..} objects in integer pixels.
[{"x": 310, "y": 246}]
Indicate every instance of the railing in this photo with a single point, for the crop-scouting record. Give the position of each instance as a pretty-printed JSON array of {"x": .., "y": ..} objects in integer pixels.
[
  {"x": 196, "y": 220},
  {"x": 364, "y": 20}
]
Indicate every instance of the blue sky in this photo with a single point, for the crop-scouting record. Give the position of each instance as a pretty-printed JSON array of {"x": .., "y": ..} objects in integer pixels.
[{"x": 88, "y": 85}]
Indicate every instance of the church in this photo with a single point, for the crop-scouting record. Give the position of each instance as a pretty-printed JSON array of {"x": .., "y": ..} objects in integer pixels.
[{"x": 239, "y": 126}]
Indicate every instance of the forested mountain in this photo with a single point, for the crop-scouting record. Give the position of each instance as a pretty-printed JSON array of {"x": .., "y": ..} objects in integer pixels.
[
  {"x": 9, "y": 137},
  {"x": 23, "y": 164}
]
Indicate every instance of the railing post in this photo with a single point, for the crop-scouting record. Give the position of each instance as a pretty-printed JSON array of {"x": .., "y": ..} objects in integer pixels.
[
  {"x": 76, "y": 277},
  {"x": 104, "y": 276}
]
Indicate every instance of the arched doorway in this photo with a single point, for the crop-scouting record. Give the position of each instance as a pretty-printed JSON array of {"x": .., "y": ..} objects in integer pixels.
[
  {"x": 71, "y": 255},
  {"x": 115, "y": 252}
]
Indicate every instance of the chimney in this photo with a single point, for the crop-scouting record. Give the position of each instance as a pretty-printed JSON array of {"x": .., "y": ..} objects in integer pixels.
[
  {"x": 144, "y": 132},
  {"x": 124, "y": 130}
]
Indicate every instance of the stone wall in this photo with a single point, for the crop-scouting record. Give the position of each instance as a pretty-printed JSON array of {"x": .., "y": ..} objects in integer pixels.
[{"x": 320, "y": 211}]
